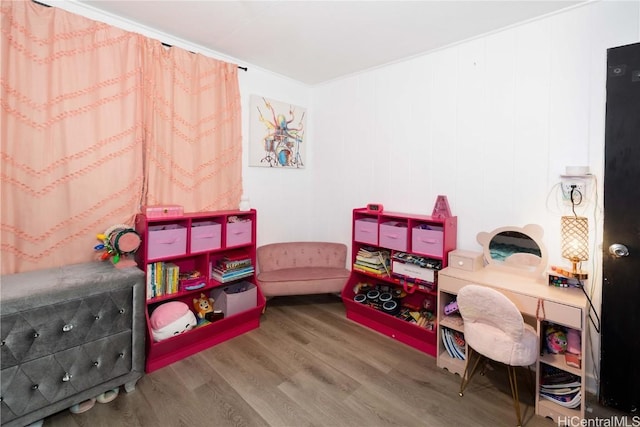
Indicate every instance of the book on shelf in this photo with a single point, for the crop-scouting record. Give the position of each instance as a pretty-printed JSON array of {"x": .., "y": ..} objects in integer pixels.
[
  {"x": 454, "y": 343},
  {"x": 571, "y": 400},
  {"x": 227, "y": 263},
  {"x": 162, "y": 279},
  {"x": 560, "y": 390},
  {"x": 230, "y": 275},
  {"x": 371, "y": 260},
  {"x": 367, "y": 269},
  {"x": 446, "y": 344},
  {"x": 171, "y": 277},
  {"x": 552, "y": 377}
]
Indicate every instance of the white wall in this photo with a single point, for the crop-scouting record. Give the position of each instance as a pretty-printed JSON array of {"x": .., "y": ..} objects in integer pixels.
[{"x": 491, "y": 123}]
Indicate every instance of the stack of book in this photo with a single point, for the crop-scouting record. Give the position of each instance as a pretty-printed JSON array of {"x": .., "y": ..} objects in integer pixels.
[
  {"x": 373, "y": 261},
  {"x": 162, "y": 279},
  {"x": 454, "y": 343},
  {"x": 560, "y": 387},
  {"x": 230, "y": 268}
]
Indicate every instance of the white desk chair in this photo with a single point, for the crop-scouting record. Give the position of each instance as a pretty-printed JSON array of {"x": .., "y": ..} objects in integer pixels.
[{"x": 494, "y": 328}]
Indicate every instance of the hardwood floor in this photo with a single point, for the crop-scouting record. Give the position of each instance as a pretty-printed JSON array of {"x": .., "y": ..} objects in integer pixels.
[{"x": 307, "y": 365}]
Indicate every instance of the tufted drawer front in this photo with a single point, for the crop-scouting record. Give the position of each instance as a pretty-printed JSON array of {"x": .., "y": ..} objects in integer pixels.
[
  {"x": 51, "y": 378},
  {"x": 49, "y": 329},
  {"x": 68, "y": 334}
]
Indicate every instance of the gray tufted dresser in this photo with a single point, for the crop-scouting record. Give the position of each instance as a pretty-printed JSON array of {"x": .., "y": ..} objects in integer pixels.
[{"x": 68, "y": 334}]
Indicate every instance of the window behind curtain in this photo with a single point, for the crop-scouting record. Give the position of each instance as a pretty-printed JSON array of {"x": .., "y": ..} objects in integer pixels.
[{"x": 87, "y": 137}]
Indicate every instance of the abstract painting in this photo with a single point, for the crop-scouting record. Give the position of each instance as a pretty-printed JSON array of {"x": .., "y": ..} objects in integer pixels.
[{"x": 276, "y": 134}]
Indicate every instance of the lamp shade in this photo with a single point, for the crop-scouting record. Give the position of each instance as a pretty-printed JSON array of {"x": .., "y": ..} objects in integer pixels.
[{"x": 575, "y": 238}]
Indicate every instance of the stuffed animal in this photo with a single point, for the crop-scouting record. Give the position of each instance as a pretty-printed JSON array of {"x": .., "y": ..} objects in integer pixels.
[
  {"x": 170, "y": 319},
  {"x": 556, "y": 340},
  {"x": 203, "y": 305}
]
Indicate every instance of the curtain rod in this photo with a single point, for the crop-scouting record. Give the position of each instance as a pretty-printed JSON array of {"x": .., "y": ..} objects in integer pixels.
[
  {"x": 168, "y": 45},
  {"x": 163, "y": 44}
]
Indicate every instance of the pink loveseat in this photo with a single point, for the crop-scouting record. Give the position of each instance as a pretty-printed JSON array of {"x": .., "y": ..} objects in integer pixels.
[{"x": 302, "y": 268}]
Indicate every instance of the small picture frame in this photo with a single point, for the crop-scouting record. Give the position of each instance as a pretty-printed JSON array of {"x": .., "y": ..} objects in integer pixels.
[{"x": 441, "y": 208}]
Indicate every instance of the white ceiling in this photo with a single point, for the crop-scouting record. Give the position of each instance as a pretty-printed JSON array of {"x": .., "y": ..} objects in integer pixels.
[{"x": 317, "y": 41}]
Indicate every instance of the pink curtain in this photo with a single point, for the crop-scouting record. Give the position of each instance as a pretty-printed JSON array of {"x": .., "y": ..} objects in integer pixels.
[
  {"x": 71, "y": 134},
  {"x": 76, "y": 109},
  {"x": 193, "y": 140}
]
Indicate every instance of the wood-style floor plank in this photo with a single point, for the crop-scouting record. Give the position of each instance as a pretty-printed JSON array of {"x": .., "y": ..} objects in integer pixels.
[{"x": 308, "y": 365}]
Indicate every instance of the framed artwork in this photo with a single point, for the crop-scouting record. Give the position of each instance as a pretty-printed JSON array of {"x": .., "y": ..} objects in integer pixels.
[{"x": 276, "y": 134}]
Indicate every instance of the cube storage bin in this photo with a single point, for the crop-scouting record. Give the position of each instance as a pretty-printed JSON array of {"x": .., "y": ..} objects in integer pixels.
[
  {"x": 235, "y": 298},
  {"x": 166, "y": 241},
  {"x": 393, "y": 235},
  {"x": 427, "y": 241},
  {"x": 238, "y": 233},
  {"x": 205, "y": 236},
  {"x": 366, "y": 230}
]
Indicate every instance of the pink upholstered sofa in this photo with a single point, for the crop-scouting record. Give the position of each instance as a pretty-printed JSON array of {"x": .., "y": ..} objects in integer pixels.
[{"x": 302, "y": 268}]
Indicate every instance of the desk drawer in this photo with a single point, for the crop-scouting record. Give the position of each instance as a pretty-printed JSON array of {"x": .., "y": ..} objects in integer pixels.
[
  {"x": 563, "y": 314},
  {"x": 550, "y": 311}
]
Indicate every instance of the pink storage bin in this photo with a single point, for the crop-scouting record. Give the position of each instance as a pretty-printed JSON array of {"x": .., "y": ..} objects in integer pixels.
[
  {"x": 238, "y": 233},
  {"x": 427, "y": 241},
  {"x": 166, "y": 241},
  {"x": 205, "y": 236},
  {"x": 366, "y": 231},
  {"x": 236, "y": 298},
  {"x": 393, "y": 235}
]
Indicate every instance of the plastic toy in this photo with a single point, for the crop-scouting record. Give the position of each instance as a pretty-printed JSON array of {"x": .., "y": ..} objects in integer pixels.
[
  {"x": 170, "y": 319},
  {"x": 574, "y": 342},
  {"x": 203, "y": 305},
  {"x": 118, "y": 242},
  {"x": 556, "y": 340},
  {"x": 451, "y": 308}
]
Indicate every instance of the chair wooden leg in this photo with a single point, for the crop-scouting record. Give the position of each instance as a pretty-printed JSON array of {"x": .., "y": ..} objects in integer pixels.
[
  {"x": 514, "y": 392},
  {"x": 467, "y": 375}
]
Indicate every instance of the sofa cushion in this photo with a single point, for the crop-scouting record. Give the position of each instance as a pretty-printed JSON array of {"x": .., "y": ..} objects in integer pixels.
[
  {"x": 303, "y": 274},
  {"x": 303, "y": 281}
]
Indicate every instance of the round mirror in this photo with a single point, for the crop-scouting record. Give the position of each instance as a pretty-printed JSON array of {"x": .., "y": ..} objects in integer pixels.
[{"x": 515, "y": 249}]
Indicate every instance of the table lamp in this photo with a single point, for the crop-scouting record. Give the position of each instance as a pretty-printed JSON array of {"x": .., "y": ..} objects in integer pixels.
[{"x": 575, "y": 244}]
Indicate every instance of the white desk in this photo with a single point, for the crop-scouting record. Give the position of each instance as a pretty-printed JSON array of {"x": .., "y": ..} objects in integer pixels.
[{"x": 538, "y": 302}]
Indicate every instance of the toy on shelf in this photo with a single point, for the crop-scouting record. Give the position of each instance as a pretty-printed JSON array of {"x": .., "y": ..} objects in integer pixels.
[
  {"x": 556, "y": 339},
  {"x": 203, "y": 305},
  {"x": 573, "y": 355},
  {"x": 451, "y": 308},
  {"x": 119, "y": 242},
  {"x": 170, "y": 319}
]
